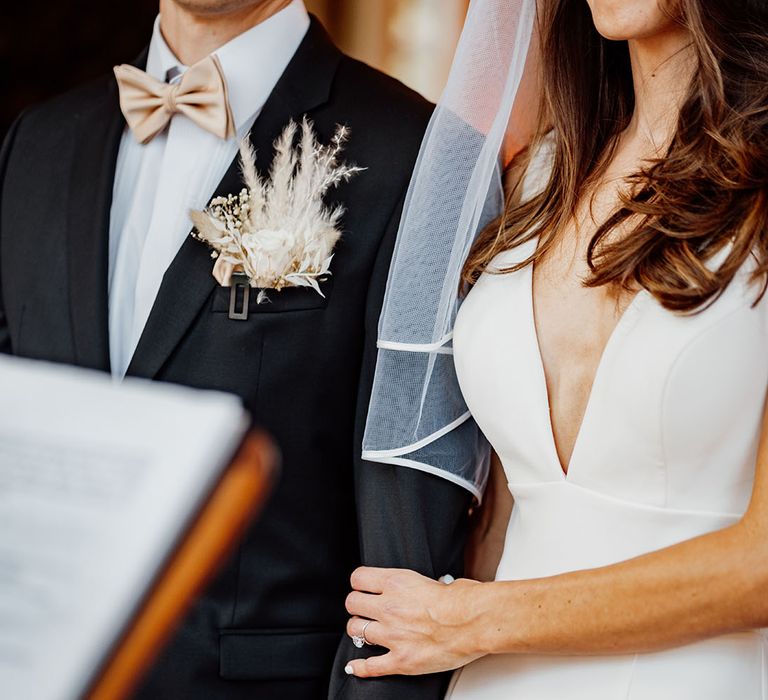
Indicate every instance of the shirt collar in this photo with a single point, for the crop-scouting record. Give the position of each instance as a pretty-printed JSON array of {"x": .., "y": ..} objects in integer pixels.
[
  {"x": 160, "y": 59},
  {"x": 252, "y": 62}
]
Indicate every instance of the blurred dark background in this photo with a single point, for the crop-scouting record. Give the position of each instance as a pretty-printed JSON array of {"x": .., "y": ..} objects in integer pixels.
[{"x": 49, "y": 46}]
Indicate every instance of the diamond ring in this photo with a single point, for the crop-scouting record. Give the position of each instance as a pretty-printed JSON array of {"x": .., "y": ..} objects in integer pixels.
[
  {"x": 362, "y": 633},
  {"x": 359, "y": 640}
]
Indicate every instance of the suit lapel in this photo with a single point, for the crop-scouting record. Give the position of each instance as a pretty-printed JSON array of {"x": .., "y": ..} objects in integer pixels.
[
  {"x": 97, "y": 142},
  {"x": 188, "y": 282},
  {"x": 93, "y": 169}
]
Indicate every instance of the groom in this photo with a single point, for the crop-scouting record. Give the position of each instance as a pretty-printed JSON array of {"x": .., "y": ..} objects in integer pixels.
[{"x": 97, "y": 269}]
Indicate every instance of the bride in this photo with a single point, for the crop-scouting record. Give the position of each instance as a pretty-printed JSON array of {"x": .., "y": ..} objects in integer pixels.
[{"x": 613, "y": 349}]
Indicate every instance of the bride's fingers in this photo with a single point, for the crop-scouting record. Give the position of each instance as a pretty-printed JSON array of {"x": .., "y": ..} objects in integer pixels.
[
  {"x": 372, "y": 632},
  {"x": 369, "y": 579},
  {"x": 385, "y": 665},
  {"x": 364, "y": 605}
]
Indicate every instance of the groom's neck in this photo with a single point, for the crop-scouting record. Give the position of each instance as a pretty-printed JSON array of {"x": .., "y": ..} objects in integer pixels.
[{"x": 195, "y": 28}]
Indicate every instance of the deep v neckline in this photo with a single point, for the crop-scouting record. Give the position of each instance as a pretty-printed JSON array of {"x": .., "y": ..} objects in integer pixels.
[{"x": 566, "y": 471}]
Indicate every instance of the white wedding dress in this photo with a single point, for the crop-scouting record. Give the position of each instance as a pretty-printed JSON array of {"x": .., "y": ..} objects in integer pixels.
[{"x": 666, "y": 452}]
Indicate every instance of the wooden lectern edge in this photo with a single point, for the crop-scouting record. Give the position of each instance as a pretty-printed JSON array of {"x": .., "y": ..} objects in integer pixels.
[{"x": 241, "y": 491}]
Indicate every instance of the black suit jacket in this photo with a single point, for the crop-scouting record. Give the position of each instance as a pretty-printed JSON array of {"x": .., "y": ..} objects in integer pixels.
[{"x": 272, "y": 623}]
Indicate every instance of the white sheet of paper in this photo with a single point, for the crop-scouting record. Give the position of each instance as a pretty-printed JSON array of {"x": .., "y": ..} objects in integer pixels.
[{"x": 97, "y": 483}]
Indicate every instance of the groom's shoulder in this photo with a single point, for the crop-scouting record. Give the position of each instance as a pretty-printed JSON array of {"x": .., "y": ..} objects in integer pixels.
[
  {"x": 380, "y": 101},
  {"x": 372, "y": 88},
  {"x": 53, "y": 115}
]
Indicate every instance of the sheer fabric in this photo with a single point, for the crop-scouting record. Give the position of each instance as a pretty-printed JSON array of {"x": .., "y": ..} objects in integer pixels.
[{"x": 417, "y": 416}]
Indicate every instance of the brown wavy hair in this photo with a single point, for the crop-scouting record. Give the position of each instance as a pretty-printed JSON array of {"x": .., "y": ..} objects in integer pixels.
[{"x": 709, "y": 188}]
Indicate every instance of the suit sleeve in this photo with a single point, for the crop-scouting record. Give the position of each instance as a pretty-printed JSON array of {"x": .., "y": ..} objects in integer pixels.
[
  {"x": 5, "y": 336},
  {"x": 406, "y": 519}
]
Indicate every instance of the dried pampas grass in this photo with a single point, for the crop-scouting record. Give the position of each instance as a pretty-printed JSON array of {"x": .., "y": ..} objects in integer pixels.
[{"x": 278, "y": 231}]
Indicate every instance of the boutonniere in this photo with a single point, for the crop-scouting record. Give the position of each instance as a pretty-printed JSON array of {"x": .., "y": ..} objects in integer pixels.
[{"x": 277, "y": 232}]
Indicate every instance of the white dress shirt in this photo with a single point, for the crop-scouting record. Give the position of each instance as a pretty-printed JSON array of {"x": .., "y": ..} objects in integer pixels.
[{"x": 157, "y": 184}]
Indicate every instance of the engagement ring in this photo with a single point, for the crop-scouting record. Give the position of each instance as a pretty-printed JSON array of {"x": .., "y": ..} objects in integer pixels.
[
  {"x": 365, "y": 627},
  {"x": 359, "y": 640}
]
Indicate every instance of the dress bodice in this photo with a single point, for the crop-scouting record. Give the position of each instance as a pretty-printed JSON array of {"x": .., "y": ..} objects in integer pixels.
[{"x": 675, "y": 409}]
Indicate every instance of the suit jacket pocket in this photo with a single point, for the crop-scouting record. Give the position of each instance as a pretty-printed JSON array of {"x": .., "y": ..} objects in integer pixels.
[
  {"x": 276, "y": 654},
  {"x": 288, "y": 299}
]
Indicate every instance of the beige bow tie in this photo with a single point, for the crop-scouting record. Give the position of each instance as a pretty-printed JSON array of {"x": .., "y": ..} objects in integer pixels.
[{"x": 201, "y": 95}]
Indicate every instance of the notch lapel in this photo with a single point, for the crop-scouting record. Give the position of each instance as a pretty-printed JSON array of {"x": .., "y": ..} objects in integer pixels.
[
  {"x": 188, "y": 282},
  {"x": 93, "y": 170},
  {"x": 97, "y": 142}
]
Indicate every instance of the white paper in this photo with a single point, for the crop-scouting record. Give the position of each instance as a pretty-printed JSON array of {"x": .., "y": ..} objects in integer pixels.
[{"x": 97, "y": 483}]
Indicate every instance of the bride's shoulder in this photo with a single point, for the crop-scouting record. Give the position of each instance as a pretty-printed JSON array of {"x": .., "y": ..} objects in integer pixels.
[
  {"x": 539, "y": 167},
  {"x": 532, "y": 170},
  {"x": 527, "y": 176}
]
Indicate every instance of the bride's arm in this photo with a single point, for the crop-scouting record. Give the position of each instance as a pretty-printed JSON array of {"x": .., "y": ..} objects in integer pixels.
[
  {"x": 700, "y": 588},
  {"x": 488, "y": 526}
]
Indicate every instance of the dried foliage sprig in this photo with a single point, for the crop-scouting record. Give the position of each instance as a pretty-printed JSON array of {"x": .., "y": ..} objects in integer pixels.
[{"x": 278, "y": 231}]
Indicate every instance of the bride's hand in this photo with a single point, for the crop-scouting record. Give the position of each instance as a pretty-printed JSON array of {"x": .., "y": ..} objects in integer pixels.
[{"x": 427, "y": 626}]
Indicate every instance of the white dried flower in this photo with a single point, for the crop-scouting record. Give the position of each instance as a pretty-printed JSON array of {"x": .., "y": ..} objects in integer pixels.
[{"x": 278, "y": 231}]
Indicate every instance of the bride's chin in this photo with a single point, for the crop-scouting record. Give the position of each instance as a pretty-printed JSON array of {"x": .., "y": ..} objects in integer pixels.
[{"x": 626, "y": 20}]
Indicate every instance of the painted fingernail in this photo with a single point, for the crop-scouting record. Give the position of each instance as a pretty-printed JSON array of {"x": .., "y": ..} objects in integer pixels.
[{"x": 348, "y": 669}]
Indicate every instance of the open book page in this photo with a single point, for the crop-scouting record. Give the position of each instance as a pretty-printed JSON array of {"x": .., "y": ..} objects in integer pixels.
[{"x": 97, "y": 484}]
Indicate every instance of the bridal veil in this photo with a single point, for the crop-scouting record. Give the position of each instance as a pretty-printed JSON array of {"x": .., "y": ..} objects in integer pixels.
[{"x": 417, "y": 417}]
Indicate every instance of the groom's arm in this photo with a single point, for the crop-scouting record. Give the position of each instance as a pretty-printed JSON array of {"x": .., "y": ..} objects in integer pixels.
[
  {"x": 5, "y": 337},
  {"x": 406, "y": 518}
]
